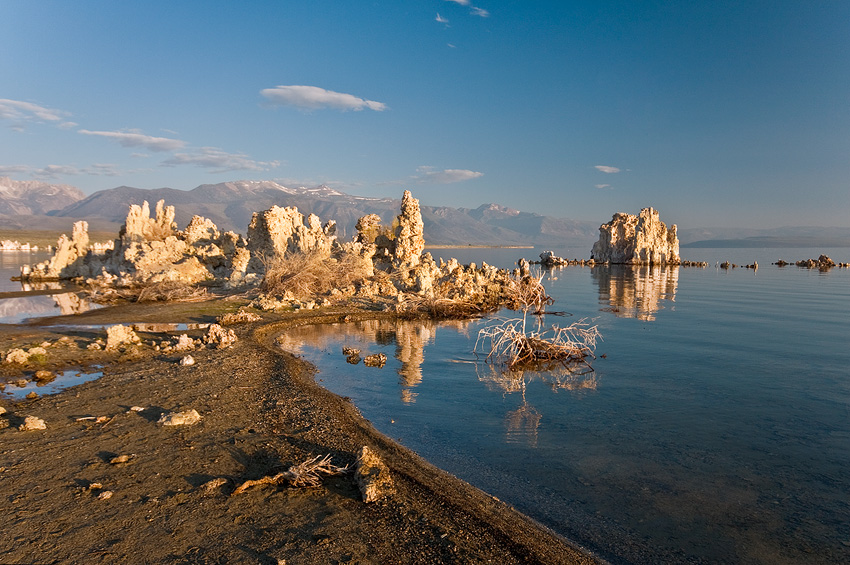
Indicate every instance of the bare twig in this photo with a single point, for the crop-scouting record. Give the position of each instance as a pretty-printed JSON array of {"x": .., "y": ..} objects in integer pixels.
[{"x": 306, "y": 474}]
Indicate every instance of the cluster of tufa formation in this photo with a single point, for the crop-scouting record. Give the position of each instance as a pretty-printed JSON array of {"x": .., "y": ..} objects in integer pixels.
[
  {"x": 148, "y": 250},
  {"x": 637, "y": 240},
  {"x": 389, "y": 261}
]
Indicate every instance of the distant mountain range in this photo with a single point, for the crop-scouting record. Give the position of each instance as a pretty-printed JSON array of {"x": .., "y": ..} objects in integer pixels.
[
  {"x": 231, "y": 204},
  {"x": 35, "y": 197},
  {"x": 36, "y": 205}
]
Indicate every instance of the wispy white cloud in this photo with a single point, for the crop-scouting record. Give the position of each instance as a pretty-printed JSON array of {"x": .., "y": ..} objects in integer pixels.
[
  {"x": 441, "y": 19},
  {"x": 55, "y": 171},
  {"x": 133, "y": 138},
  {"x": 214, "y": 158},
  {"x": 446, "y": 176},
  {"x": 315, "y": 98},
  {"x": 475, "y": 11},
  {"x": 603, "y": 186},
  {"x": 14, "y": 169},
  {"x": 20, "y": 112},
  {"x": 606, "y": 169}
]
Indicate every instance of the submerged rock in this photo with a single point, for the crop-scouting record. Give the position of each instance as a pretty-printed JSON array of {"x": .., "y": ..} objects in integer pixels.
[{"x": 637, "y": 240}]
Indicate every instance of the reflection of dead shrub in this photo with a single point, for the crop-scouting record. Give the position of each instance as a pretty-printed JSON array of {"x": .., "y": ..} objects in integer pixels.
[{"x": 306, "y": 275}]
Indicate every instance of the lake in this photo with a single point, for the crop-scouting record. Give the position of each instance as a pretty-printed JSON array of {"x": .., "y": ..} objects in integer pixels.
[{"x": 714, "y": 428}]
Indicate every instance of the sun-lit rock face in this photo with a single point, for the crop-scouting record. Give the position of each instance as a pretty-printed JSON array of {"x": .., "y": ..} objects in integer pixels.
[
  {"x": 637, "y": 240},
  {"x": 148, "y": 250},
  {"x": 278, "y": 231},
  {"x": 409, "y": 239}
]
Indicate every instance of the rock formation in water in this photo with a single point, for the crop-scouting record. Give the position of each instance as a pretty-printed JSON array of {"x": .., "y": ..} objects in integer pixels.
[{"x": 637, "y": 240}]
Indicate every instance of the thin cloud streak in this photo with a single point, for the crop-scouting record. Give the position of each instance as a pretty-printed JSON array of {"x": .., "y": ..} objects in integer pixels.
[
  {"x": 136, "y": 139},
  {"x": 606, "y": 169},
  {"x": 315, "y": 98},
  {"x": 19, "y": 111},
  {"x": 446, "y": 176},
  {"x": 475, "y": 11},
  {"x": 221, "y": 161}
]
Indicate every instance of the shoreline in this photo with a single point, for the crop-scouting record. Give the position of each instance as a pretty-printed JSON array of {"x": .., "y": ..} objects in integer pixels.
[
  {"x": 261, "y": 409},
  {"x": 470, "y": 246}
]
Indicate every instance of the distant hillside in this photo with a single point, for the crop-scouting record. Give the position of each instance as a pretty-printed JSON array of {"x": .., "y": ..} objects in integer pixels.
[
  {"x": 35, "y": 197},
  {"x": 766, "y": 238},
  {"x": 231, "y": 204}
]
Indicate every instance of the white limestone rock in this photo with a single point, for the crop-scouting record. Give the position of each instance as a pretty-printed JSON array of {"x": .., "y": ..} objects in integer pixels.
[
  {"x": 637, "y": 240},
  {"x": 185, "y": 418}
]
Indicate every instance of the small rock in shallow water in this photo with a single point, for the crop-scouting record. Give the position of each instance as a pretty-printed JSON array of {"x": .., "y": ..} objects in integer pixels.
[
  {"x": 185, "y": 418},
  {"x": 120, "y": 459},
  {"x": 43, "y": 376},
  {"x": 375, "y": 360},
  {"x": 187, "y": 360}
]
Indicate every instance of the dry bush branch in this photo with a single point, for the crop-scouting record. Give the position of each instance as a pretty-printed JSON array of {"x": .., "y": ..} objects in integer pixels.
[
  {"x": 306, "y": 474},
  {"x": 306, "y": 275},
  {"x": 440, "y": 307},
  {"x": 508, "y": 342},
  {"x": 527, "y": 293}
]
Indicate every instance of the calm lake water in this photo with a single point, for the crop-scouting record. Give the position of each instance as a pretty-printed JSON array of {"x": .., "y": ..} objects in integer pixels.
[{"x": 716, "y": 428}]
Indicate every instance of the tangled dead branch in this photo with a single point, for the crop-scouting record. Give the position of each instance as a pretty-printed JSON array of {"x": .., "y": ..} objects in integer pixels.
[
  {"x": 306, "y": 275},
  {"x": 440, "y": 307},
  {"x": 510, "y": 343},
  {"x": 306, "y": 474}
]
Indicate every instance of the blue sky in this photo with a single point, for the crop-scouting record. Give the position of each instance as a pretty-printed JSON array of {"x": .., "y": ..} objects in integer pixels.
[{"x": 716, "y": 113}]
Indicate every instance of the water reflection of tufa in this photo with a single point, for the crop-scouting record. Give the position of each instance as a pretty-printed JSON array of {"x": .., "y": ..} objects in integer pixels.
[
  {"x": 633, "y": 291},
  {"x": 409, "y": 337}
]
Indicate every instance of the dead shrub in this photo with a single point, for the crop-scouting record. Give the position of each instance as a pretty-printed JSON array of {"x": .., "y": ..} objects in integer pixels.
[
  {"x": 512, "y": 343},
  {"x": 509, "y": 342},
  {"x": 306, "y": 275},
  {"x": 306, "y": 474}
]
